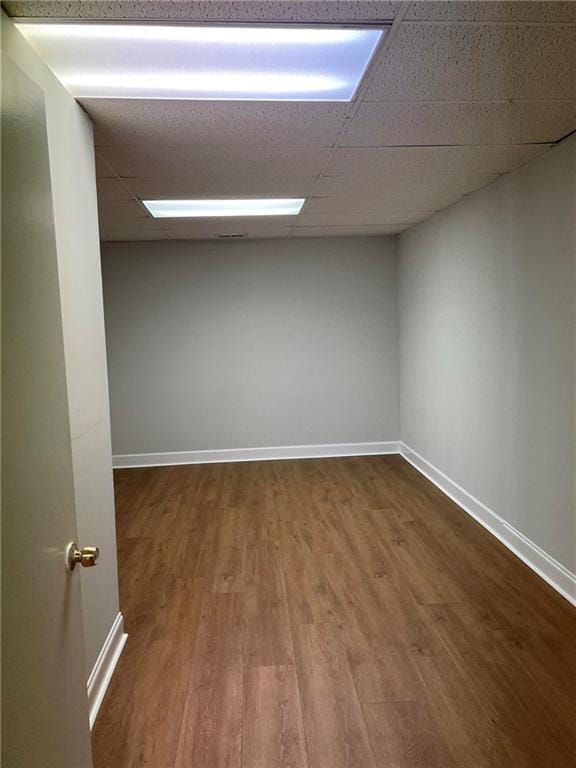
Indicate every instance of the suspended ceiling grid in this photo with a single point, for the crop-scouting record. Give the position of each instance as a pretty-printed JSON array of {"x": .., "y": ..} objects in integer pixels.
[{"x": 460, "y": 93}]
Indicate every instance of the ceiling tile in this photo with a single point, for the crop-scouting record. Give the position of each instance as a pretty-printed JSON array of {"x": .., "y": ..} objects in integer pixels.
[
  {"x": 124, "y": 214},
  {"x": 115, "y": 235},
  {"x": 229, "y": 224},
  {"x": 163, "y": 161},
  {"x": 112, "y": 189},
  {"x": 487, "y": 10},
  {"x": 344, "y": 231},
  {"x": 463, "y": 123},
  {"x": 207, "y": 233},
  {"x": 467, "y": 62},
  {"x": 339, "y": 186},
  {"x": 103, "y": 170},
  {"x": 221, "y": 186},
  {"x": 431, "y": 160},
  {"x": 199, "y": 124},
  {"x": 362, "y": 219},
  {"x": 208, "y": 10},
  {"x": 373, "y": 203},
  {"x": 123, "y": 208}
]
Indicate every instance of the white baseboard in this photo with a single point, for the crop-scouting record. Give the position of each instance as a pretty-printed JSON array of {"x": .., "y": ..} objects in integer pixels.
[
  {"x": 559, "y": 577},
  {"x": 254, "y": 454},
  {"x": 104, "y": 667}
]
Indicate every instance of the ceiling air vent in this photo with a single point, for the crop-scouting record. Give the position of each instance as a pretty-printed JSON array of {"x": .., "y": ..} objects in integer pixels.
[{"x": 230, "y": 237}]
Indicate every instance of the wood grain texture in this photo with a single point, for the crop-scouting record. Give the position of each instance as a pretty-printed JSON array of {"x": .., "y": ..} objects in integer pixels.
[
  {"x": 335, "y": 728},
  {"x": 211, "y": 725},
  {"x": 332, "y": 613},
  {"x": 272, "y": 719},
  {"x": 404, "y": 735}
]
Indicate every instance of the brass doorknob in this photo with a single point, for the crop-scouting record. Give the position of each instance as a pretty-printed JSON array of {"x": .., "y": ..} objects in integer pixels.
[{"x": 87, "y": 556}]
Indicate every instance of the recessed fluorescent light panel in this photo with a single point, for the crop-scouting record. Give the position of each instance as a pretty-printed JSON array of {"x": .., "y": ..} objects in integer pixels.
[
  {"x": 256, "y": 63},
  {"x": 200, "y": 209}
]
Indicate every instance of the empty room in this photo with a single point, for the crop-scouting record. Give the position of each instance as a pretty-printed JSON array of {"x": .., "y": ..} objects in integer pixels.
[{"x": 288, "y": 340}]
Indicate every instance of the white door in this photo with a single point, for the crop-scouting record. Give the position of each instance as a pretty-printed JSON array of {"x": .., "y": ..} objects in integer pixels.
[{"x": 44, "y": 702}]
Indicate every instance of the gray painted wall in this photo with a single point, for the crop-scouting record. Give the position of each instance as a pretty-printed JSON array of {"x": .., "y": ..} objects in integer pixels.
[
  {"x": 488, "y": 330},
  {"x": 251, "y": 344}
]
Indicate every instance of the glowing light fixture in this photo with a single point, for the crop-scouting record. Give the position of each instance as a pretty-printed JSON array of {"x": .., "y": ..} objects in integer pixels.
[
  {"x": 151, "y": 61},
  {"x": 227, "y": 208}
]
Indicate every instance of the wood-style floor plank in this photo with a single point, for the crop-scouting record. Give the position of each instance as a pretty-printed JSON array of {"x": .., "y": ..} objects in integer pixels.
[
  {"x": 336, "y": 731},
  {"x": 404, "y": 735},
  {"x": 151, "y": 672},
  {"x": 211, "y": 725},
  {"x": 273, "y": 735},
  {"x": 333, "y": 613}
]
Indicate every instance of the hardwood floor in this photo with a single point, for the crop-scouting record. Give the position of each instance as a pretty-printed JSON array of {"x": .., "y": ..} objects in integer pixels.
[{"x": 334, "y": 613}]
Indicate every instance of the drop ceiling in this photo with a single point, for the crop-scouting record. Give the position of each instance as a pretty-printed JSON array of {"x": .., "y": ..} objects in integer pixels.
[{"x": 459, "y": 93}]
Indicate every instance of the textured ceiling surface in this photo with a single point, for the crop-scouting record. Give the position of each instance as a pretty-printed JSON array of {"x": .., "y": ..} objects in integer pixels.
[{"x": 459, "y": 93}]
